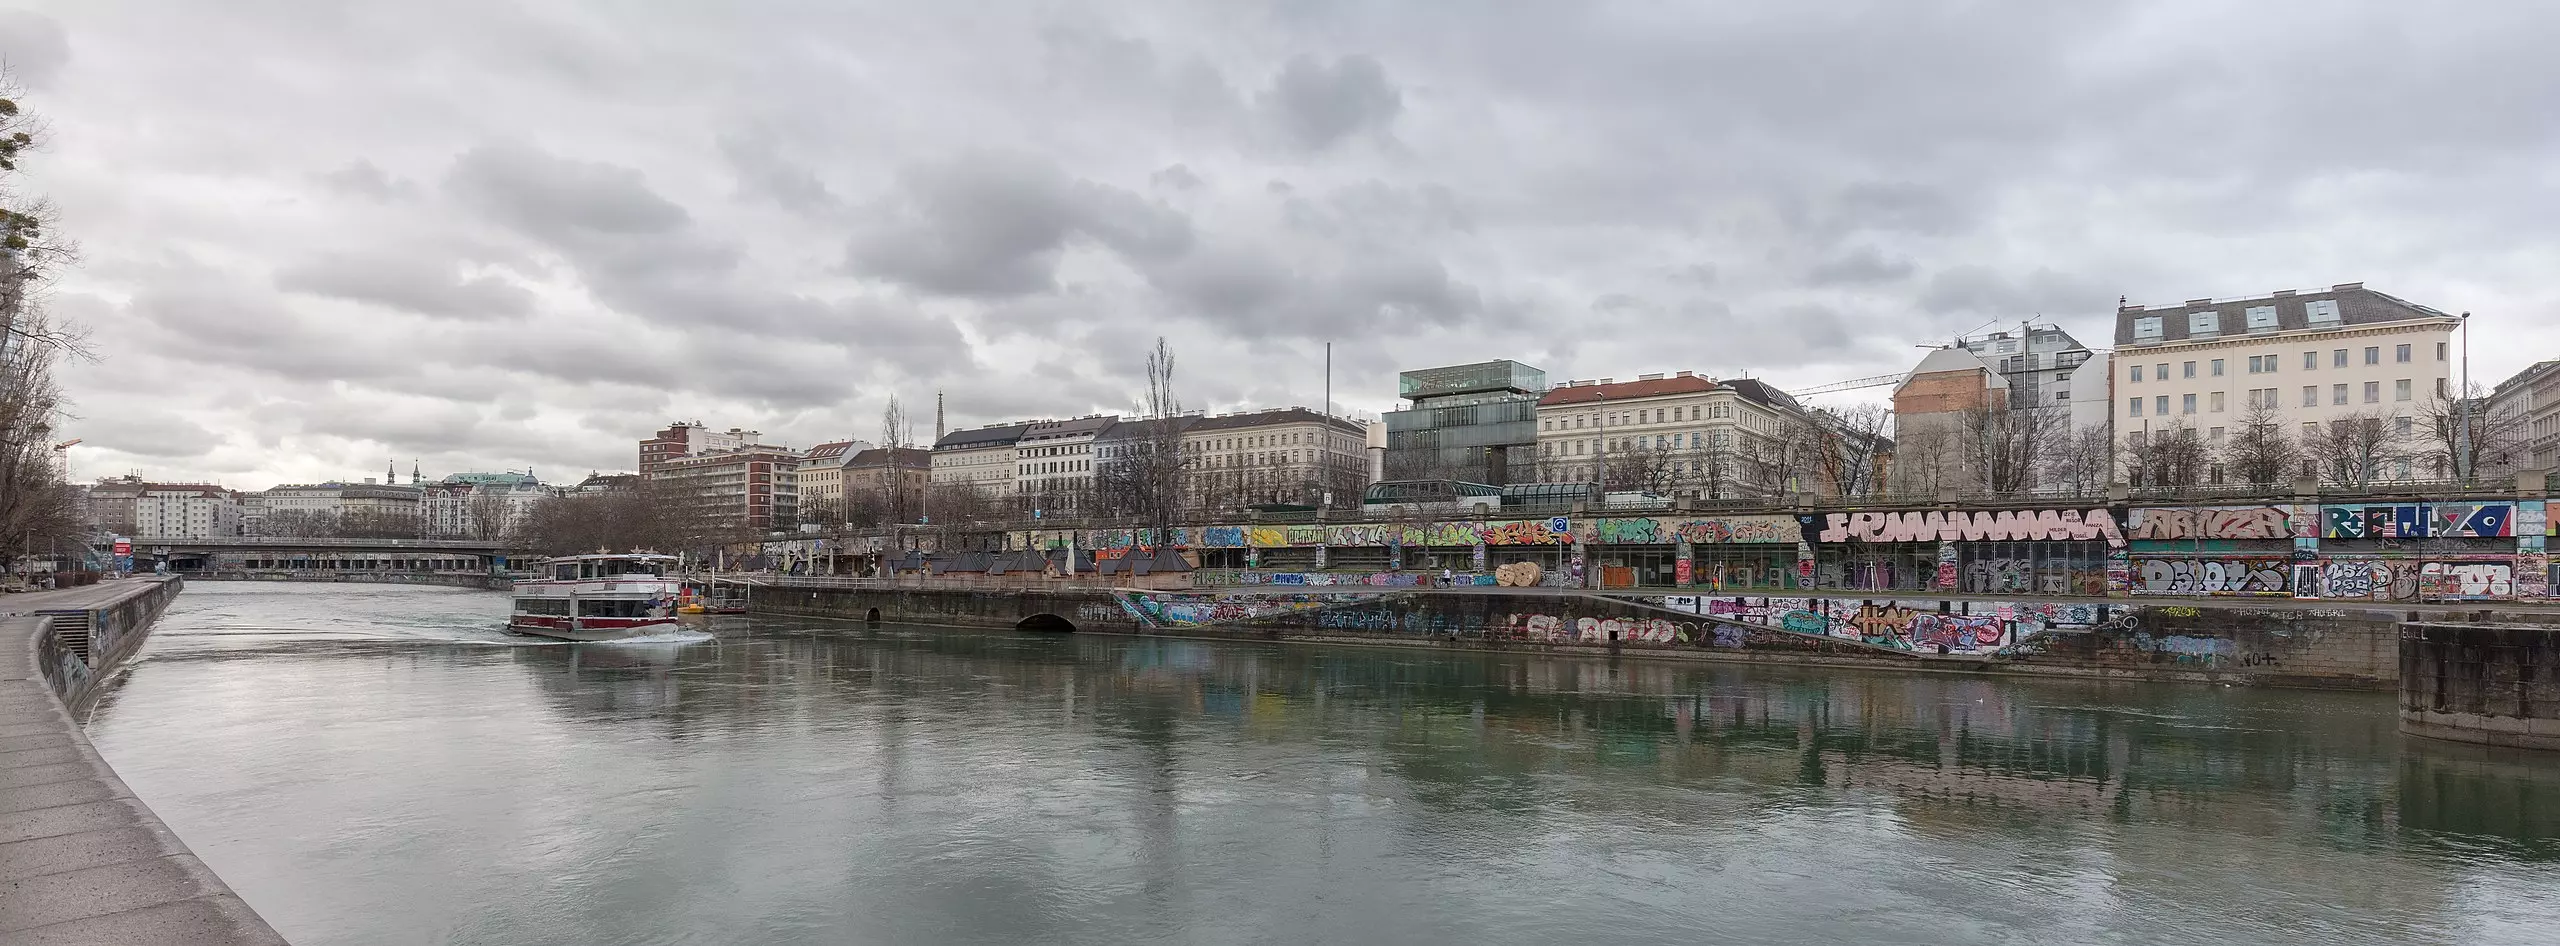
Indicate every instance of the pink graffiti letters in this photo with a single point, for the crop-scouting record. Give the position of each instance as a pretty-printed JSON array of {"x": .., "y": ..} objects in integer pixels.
[{"x": 2003, "y": 525}]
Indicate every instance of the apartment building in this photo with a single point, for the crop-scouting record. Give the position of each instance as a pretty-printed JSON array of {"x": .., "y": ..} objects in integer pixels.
[
  {"x": 2035, "y": 362},
  {"x": 820, "y": 476},
  {"x": 1054, "y": 463},
  {"x": 2526, "y": 410},
  {"x": 479, "y": 505},
  {"x": 1289, "y": 455},
  {"x": 186, "y": 511},
  {"x": 981, "y": 459},
  {"x": 893, "y": 477},
  {"x": 687, "y": 438},
  {"x": 2303, "y": 359},
  {"x": 752, "y": 488},
  {"x": 1658, "y": 433}
]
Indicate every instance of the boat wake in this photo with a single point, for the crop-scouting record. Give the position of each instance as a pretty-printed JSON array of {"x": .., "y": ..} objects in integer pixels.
[{"x": 670, "y": 637}]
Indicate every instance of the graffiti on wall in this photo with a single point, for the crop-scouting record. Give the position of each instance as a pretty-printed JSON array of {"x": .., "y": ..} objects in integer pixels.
[
  {"x": 1222, "y": 537},
  {"x": 2219, "y": 522},
  {"x": 2418, "y": 521},
  {"x": 2533, "y": 575},
  {"x": 1664, "y": 530},
  {"x": 2007, "y": 525},
  {"x": 2236, "y": 576},
  {"x": 2466, "y": 581},
  {"x": 2005, "y": 575}
]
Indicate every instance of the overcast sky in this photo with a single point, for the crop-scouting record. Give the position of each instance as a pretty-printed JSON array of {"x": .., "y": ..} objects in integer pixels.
[{"x": 322, "y": 235}]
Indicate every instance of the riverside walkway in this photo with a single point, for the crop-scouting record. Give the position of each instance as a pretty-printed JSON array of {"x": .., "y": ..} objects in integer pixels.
[{"x": 81, "y": 859}]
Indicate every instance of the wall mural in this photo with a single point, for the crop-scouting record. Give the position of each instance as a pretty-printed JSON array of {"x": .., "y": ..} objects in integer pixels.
[
  {"x": 1173, "y": 609},
  {"x": 2213, "y": 576},
  {"x": 2418, "y": 521},
  {"x": 2002, "y": 526},
  {"x": 2218, "y": 522},
  {"x": 1900, "y": 624},
  {"x": 2466, "y": 581}
]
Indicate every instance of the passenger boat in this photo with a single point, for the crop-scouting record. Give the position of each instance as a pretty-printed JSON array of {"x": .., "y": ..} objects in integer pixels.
[{"x": 598, "y": 597}]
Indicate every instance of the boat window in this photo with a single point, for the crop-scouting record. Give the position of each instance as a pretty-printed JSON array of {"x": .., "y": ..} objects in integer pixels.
[{"x": 565, "y": 572}]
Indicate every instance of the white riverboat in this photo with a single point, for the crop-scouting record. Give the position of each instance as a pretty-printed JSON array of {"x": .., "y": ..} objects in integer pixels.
[{"x": 598, "y": 597}]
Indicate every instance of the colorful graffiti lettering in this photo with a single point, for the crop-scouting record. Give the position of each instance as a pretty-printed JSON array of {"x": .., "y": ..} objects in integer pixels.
[
  {"x": 2211, "y": 576},
  {"x": 2220, "y": 522},
  {"x": 2453, "y": 581},
  {"x": 2004, "y": 525},
  {"x": 2418, "y": 521},
  {"x": 1222, "y": 537}
]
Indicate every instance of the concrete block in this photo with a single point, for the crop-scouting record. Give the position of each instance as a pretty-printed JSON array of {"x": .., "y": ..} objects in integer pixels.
[
  {"x": 42, "y": 774},
  {"x": 207, "y": 921},
  {"x": 68, "y": 819},
  {"x": 48, "y": 899},
  {"x": 57, "y": 794},
  {"x": 68, "y": 852}
]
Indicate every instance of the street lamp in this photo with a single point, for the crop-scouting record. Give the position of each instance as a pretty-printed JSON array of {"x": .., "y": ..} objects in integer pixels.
[{"x": 2462, "y": 440}]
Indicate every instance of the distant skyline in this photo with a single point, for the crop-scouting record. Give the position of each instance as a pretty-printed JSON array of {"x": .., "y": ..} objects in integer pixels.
[{"x": 495, "y": 235}]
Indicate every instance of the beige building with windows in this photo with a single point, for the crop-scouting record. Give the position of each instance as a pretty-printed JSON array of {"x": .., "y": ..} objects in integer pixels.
[
  {"x": 981, "y": 459},
  {"x": 821, "y": 476},
  {"x": 2527, "y": 409},
  {"x": 2310, "y": 358},
  {"x": 1285, "y": 455},
  {"x": 1683, "y": 432}
]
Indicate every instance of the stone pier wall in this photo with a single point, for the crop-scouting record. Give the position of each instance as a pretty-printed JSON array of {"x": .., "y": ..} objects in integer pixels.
[{"x": 2491, "y": 684}]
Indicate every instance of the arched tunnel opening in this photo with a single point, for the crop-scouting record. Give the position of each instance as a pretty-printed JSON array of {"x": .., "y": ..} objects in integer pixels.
[
  {"x": 1045, "y": 622},
  {"x": 872, "y": 617}
]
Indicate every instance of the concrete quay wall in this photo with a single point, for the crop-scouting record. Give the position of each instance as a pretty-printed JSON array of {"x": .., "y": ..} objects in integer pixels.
[
  {"x": 2202, "y": 641},
  {"x": 81, "y": 859},
  {"x": 483, "y": 582},
  {"x": 2482, "y": 683}
]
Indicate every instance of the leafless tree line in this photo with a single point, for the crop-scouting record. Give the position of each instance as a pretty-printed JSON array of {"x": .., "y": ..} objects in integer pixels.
[{"x": 39, "y": 511}]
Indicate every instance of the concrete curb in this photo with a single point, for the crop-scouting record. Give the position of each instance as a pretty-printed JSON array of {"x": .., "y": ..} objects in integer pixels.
[{"x": 81, "y": 859}]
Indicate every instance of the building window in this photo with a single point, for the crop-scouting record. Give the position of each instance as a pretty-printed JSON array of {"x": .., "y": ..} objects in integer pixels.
[
  {"x": 2440, "y": 392},
  {"x": 2310, "y": 395},
  {"x": 2217, "y": 367},
  {"x": 2400, "y": 390},
  {"x": 2133, "y": 408},
  {"x": 2373, "y": 392},
  {"x": 2213, "y": 436},
  {"x": 2338, "y": 358},
  {"x": 2253, "y": 364},
  {"x": 2146, "y": 328},
  {"x": 2187, "y": 369},
  {"x": 2160, "y": 371},
  {"x": 2217, "y": 401},
  {"x": 2204, "y": 323},
  {"x": 2134, "y": 439},
  {"x": 2187, "y": 404},
  {"x": 2373, "y": 354},
  {"x": 2401, "y": 426},
  {"x": 2439, "y": 351},
  {"x": 2310, "y": 361},
  {"x": 2337, "y": 394},
  {"x": 2400, "y": 353},
  {"x": 2137, "y": 374},
  {"x": 2321, "y": 310},
  {"x": 2160, "y": 405}
]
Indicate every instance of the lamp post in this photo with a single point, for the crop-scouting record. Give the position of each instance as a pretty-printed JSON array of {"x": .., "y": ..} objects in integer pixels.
[{"x": 2462, "y": 440}]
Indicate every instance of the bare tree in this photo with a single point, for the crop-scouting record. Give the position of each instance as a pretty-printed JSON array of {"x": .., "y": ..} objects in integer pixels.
[
  {"x": 2452, "y": 430},
  {"x": 2358, "y": 449},
  {"x": 300, "y": 524},
  {"x": 1853, "y": 448},
  {"x": 2082, "y": 461},
  {"x": 38, "y": 510},
  {"x": 484, "y": 511},
  {"x": 2003, "y": 447},
  {"x": 2166, "y": 457},
  {"x": 2260, "y": 451},
  {"x": 1145, "y": 469},
  {"x": 378, "y": 524}
]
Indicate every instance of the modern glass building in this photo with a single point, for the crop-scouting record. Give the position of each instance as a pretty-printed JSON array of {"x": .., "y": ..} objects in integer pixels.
[{"x": 1466, "y": 423}]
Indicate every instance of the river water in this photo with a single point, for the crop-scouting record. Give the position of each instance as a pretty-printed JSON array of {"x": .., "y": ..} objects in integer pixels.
[{"x": 382, "y": 765}]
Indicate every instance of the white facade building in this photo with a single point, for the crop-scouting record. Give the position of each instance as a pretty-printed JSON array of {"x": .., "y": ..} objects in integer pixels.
[
  {"x": 1053, "y": 462},
  {"x": 982, "y": 459},
  {"x": 186, "y": 512},
  {"x": 2304, "y": 359}
]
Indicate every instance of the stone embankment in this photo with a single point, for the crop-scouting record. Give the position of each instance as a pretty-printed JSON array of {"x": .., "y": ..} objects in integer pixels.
[
  {"x": 2258, "y": 642},
  {"x": 2483, "y": 683},
  {"x": 81, "y": 859}
]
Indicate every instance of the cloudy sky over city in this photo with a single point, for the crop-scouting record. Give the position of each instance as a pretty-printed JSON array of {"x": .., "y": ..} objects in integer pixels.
[{"x": 319, "y": 236}]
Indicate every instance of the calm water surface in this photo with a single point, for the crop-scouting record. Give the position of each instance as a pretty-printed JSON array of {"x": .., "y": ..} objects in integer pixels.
[{"x": 381, "y": 765}]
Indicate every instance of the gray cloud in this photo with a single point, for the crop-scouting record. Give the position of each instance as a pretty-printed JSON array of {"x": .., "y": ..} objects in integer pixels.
[
  {"x": 778, "y": 217},
  {"x": 407, "y": 283},
  {"x": 33, "y": 47},
  {"x": 1316, "y": 105},
  {"x": 990, "y": 223}
]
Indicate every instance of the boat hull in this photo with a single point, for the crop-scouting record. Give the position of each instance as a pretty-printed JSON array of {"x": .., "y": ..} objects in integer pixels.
[{"x": 591, "y": 629}]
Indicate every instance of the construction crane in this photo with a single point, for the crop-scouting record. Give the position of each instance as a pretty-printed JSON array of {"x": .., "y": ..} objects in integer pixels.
[
  {"x": 1849, "y": 385},
  {"x": 62, "y": 457}
]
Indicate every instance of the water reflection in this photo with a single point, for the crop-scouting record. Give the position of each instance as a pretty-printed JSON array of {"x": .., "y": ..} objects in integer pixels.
[{"x": 802, "y": 781}]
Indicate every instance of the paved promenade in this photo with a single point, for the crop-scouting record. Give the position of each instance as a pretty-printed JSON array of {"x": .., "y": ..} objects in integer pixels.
[{"x": 81, "y": 859}]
